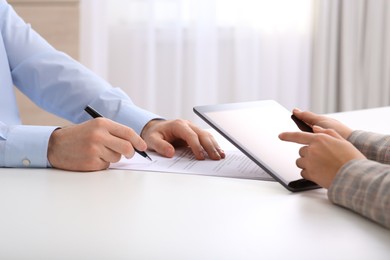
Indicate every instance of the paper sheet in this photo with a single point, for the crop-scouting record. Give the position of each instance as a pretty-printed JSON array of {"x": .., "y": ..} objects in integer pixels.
[{"x": 235, "y": 165}]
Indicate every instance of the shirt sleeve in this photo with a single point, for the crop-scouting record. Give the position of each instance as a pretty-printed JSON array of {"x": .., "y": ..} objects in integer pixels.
[
  {"x": 58, "y": 84},
  {"x": 374, "y": 146},
  {"x": 363, "y": 186},
  {"x": 24, "y": 146}
]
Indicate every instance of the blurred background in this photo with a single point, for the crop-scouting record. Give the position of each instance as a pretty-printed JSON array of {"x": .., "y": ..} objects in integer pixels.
[{"x": 170, "y": 55}]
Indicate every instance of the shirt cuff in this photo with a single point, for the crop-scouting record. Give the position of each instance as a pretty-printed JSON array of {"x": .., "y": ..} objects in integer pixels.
[{"x": 26, "y": 146}]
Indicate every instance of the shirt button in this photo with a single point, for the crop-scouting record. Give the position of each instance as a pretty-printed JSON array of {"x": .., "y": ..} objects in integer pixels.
[{"x": 26, "y": 162}]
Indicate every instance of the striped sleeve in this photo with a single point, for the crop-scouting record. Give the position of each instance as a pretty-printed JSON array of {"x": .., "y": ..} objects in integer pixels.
[
  {"x": 374, "y": 146},
  {"x": 363, "y": 186}
]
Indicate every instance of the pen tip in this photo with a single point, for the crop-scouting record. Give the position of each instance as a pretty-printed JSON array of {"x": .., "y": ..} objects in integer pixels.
[{"x": 150, "y": 159}]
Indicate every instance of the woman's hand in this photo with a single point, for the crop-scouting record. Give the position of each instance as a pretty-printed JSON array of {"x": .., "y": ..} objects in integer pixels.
[
  {"x": 312, "y": 119},
  {"x": 324, "y": 153}
]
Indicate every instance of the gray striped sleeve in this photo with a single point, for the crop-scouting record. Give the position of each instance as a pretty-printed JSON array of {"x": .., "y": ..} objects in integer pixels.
[
  {"x": 373, "y": 145},
  {"x": 364, "y": 187}
]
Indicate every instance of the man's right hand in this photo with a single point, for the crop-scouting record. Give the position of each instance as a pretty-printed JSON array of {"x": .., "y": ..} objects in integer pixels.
[{"x": 92, "y": 145}]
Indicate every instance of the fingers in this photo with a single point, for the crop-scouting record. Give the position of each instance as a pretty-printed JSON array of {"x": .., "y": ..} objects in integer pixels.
[
  {"x": 166, "y": 133},
  {"x": 304, "y": 174},
  {"x": 307, "y": 138},
  {"x": 115, "y": 147},
  {"x": 88, "y": 166},
  {"x": 300, "y": 162},
  {"x": 220, "y": 153},
  {"x": 163, "y": 135},
  {"x": 118, "y": 139},
  {"x": 307, "y": 116},
  {"x": 190, "y": 135},
  {"x": 206, "y": 141},
  {"x": 77, "y": 148},
  {"x": 303, "y": 151},
  {"x": 331, "y": 132},
  {"x": 297, "y": 137},
  {"x": 161, "y": 146},
  {"x": 198, "y": 141},
  {"x": 323, "y": 121},
  {"x": 125, "y": 133}
]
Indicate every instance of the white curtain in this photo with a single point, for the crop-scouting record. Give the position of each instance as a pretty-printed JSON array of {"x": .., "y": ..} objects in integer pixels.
[
  {"x": 170, "y": 55},
  {"x": 351, "y": 55}
]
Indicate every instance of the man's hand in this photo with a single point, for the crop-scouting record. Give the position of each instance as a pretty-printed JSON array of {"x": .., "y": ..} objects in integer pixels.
[
  {"x": 324, "y": 153},
  {"x": 92, "y": 145},
  {"x": 163, "y": 135}
]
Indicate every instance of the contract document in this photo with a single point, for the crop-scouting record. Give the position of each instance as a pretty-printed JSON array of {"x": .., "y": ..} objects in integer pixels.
[{"x": 235, "y": 165}]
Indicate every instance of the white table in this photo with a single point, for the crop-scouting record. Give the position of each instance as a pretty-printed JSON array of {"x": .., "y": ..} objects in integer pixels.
[{"x": 116, "y": 214}]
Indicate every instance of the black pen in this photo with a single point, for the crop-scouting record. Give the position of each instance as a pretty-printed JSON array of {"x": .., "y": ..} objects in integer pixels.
[{"x": 92, "y": 112}]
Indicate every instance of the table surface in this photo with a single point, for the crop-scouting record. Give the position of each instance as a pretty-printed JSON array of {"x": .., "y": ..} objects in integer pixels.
[{"x": 120, "y": 214}]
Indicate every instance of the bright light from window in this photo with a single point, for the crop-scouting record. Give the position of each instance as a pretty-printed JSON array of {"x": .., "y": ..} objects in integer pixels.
[{"x": 264, "y": 15}]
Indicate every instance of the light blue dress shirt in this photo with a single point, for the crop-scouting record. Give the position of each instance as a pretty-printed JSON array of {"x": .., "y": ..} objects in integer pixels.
[{"x": 55, "y": 82}]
